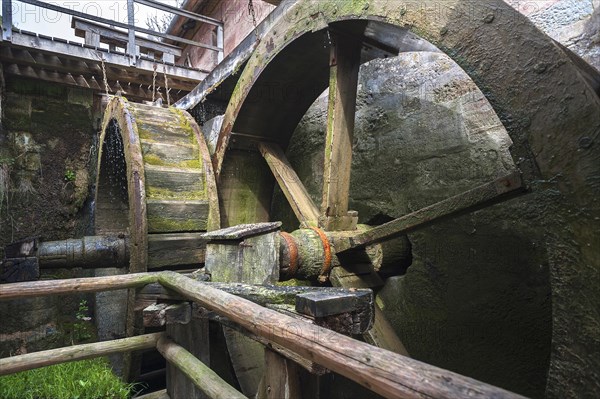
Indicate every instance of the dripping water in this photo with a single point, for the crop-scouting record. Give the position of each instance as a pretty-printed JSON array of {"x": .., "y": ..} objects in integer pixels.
[{"x": 115, "y": 167}]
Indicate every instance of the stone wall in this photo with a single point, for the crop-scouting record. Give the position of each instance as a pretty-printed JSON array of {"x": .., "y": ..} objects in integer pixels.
[{"x": 47, "y": 160}]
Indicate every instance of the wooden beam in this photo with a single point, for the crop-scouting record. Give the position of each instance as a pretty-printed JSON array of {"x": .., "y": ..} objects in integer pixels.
[
  {"x": 201, "y": 375},
  {"x": 487, "y": 194},
  {"x": 291, "y": 185},
  {"x": 75, "y": 285},
  {"x": 343, "y": 82},
  {"x": 384, "y": 372},
  {"x": 281, "y": 380},
  {"x": 14, "y": 364}
]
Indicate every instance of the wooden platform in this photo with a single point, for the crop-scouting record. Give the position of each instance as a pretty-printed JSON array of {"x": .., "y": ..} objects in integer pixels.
[{"x": 74, "y": 64}]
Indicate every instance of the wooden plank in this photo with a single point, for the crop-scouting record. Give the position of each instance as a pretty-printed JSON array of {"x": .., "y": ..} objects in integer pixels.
[
  {"x": 174, "y": 179},
  {"x": 323, "y": 303},
  {"x": 291, "y": 185},
  {"x": 34, "y": 360},
  {"x": 500, "y": 189},
  {"x": 241, "y": 231},
  {"x": 281, "y": 380},
  {"x": 170, "y": 216},
  {"x": 201, "y": 375},
  {"x": 170, "y": 154},
  {"x": 175, "y": 249},
  {"x": 343, "y": 82},
  {"x": 75, "y": 285},
  {"x": 384, "y": 372}
]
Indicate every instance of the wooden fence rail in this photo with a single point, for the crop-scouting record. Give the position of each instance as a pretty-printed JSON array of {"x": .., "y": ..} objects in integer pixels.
[
  {"x": 14, "y": 364},
  {"x": 384, "y": 372}
]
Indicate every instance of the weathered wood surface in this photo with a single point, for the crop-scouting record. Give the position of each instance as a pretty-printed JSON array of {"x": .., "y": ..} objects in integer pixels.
[
  {"x": 10, "y": 365},
  {"x": 154, "y": 315},
  {"x": 381, "y": 334},
  {"x": 170, "y": 154},
  {"x": 179, "y": 313},
  {"x": 320, "y": 301},
  {"x": 343, "y": 82},
  {"x": 201, "y": 375},
  {"x": 193, "y": 337},
  {"x": 174, "y": 179},
  {"x": 382, "y": 371},
  {"x": 75, "y": 285},
  {"x": 281, "y": 379},
  {"x": 307, "y": 364},
  {"x": 291, "y": 185},
  {"x": 175, "y": 249},
  {"x": 484, "y": 195},
  {"x": 239, "y": 232},
  {"x": 167, "y": 216}
]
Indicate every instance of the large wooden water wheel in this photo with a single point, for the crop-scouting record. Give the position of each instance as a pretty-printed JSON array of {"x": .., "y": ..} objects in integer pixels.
[{"x": 522, "y": 72}]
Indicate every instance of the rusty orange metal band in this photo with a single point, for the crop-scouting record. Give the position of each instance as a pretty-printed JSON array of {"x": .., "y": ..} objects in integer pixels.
[
  {"x": 293, "y": 249},
  {"x": 324, "y": 274}
]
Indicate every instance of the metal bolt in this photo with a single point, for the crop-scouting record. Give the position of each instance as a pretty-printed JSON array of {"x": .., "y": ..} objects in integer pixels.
[{"x": 443, "y": 31}]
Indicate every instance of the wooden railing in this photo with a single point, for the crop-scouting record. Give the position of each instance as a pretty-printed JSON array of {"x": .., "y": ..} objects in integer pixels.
[
  {"x": 386, "y": 373},
  {"x": 132, "y": 40}
]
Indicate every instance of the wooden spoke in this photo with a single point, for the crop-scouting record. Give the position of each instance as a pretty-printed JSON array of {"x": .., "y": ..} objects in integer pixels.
[
  {"x": 343, "y": 82},
  {"x": 484, "y": 195},
  {"x": 293, "y": 189}
]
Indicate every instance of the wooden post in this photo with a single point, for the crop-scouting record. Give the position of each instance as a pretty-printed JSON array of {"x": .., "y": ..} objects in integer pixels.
[
  {"x": 131, "y": 49},
  {"x": 10, "y": 365},
  {"x": 281, "y": 380},
  {"x": 193, "y": 337},
  {"x": 203, "y": 377},
  {"x": 7, "y": 20},
  {"x": 343, "y": 82}
]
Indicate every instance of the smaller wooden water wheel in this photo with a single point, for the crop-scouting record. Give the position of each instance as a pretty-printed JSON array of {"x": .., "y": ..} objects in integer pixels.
[{"x": 155, "y": 185}]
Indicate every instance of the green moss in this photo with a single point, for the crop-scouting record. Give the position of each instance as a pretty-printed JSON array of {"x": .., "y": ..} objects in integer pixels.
[
  {"x": 153, "y": 159},
  {"x": 294, "y": 283},
  {"x": 163, "y": 193},
  {"x": 159, "y": 224}
]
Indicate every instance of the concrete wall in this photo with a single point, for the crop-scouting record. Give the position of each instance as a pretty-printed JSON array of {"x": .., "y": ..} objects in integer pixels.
[{"x": 476, "y": 299}]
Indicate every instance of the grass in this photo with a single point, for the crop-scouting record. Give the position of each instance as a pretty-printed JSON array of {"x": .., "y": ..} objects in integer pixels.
[{"x": 85, "y": 379}]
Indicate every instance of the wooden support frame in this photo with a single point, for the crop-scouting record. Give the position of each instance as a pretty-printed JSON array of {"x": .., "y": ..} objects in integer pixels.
[
  {"x": 344, "y": 65},
  {"x": 382, "y": 371}
]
